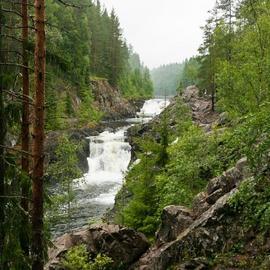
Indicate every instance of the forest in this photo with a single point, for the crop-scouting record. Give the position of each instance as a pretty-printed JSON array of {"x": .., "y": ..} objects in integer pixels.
[
  {"x": 231, "y": 70},
  {"x": 47, "y": 64},
  {"x": 82, "y": 42}
]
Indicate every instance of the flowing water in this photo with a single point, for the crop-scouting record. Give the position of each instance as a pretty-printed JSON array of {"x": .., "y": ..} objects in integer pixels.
[{"x": 109, "y": 159}]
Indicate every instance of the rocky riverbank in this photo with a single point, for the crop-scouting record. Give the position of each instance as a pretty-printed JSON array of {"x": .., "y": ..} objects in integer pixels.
[
  {"x": 112, "y": 104},
  {"x": 109, "y": 100},
  {"x": 207, "y": 235}
]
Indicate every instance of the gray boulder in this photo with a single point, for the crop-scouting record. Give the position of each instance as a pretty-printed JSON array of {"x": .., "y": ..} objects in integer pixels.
[
  {"x": 174, "y": 220},
  {"x": 191, "y": 92},
  {"x": 121, "y": 244}
]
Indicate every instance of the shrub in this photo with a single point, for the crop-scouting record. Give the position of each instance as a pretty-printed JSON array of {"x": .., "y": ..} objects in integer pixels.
[{"x": 77, "y": 258}]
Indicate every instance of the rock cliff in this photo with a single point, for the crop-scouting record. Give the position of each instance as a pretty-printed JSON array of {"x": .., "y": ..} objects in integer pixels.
[{"x": 109, "y": 100}]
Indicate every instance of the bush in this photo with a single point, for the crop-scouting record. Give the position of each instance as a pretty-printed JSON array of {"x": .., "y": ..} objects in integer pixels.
[{"x": 77, "y": 258}]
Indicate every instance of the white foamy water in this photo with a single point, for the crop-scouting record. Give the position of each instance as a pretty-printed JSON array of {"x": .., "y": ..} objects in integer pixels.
[
  {"x": 150, "y": 109},
  {"x": 153, "y": 107},
  {"x": 109, "y": 159}
]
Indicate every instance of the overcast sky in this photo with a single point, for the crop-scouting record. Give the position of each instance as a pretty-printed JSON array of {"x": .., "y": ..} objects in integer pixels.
[{"x": 162, "y": 31}]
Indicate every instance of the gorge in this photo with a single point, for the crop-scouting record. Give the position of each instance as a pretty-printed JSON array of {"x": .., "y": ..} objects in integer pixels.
[{"x": 110, "y": 157}]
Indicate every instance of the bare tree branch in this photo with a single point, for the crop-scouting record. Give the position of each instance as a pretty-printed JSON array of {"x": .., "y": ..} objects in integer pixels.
[
  {"x": 11, "y": 37},
  {"x": 17, "y": 27},
  {"x": 15, "y": 65},
  {"x": 16, "y": 197},
  {"x": 16, "y": 150},
  {"x": 68, "y": 4},
  {"x": 20, "y": 96},
  {"x": 11, "y": 11},
  {"x": 11, "y": 51}
]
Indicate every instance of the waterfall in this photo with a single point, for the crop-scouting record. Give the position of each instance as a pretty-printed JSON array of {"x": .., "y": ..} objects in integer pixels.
[{"x": 109, "y": 159}]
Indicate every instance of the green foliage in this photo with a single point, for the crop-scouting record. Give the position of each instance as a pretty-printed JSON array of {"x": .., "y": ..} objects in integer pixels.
[
  {"x": 77, "y": 258},
  {"x": 63, "y": 172},
  {"x": 252, "y": 200},
  {"x": 12, "y": 256},
  {"x": 252, "y": 203},
  {"x": 171, "y": 170},
  {"x": 193, "y": 160},
  {"x": 140, "y": 212},
  {"x": 87, "y": 113},
  {"x": 168, "y": 79},
  {"x": 190, "y": 74},
  {"x": 136, "y": 81},
  {"x": 101, "y": 52},
  {"x": 234, "y": 57}
]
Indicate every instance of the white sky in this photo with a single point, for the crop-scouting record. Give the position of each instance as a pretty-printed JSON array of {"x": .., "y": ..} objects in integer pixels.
[{"x": 162, "y": 31}]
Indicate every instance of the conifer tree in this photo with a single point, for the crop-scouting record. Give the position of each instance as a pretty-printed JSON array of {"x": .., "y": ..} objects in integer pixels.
[
  {"x": 38, "y": 140},
  {"x": 25, "y": 128}
]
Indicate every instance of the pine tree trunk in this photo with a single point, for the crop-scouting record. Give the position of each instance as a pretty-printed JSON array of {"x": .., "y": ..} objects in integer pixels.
[
  {"x": 2, "y": 150},
  {"x": 24, "y": 239},
  {"x": 38, "y": 143}
]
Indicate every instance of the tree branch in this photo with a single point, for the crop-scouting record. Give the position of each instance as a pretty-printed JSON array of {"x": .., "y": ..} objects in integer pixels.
[
  {"x": 20, "y": 96},
  {"x": 11, "y": 51},
  {"x": 11, "y": 11},
  {"x": 16, "y": 150},
  {"x": 16, "y": 65},
  {"x": 17, "y": 3},
  {"x": 11, "y": 37},
  {"x": 15, "y": 197},
  {"x": 18, "y": 27}
]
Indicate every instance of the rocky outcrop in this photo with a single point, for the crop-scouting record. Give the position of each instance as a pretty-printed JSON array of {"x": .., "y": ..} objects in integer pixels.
[
  {"x": 201, "y": 108},
  {"x": 204, "y": 236},
  {"x": 186, "y": 236},
  {"x": 121, "y": 244},
  {"x": 219, "y": 186},
  {"x": 174, "y": 220},
  {"x": 109, "y": 100}
]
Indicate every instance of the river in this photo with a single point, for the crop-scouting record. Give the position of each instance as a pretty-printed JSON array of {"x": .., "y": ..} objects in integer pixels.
[{"x": 110, "y": 156}]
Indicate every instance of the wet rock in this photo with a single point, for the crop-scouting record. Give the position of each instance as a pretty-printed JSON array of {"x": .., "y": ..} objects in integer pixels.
[
  {"x": 205, "y": 235},
  {"x": 191, "y": 92},
  {"x": 213, "y": 197},
  {"x": 226, "y": 182},
  {"x": 121, "y": 244},
  {"x": 242, "y": 166},
  {"x": 174, "y": 220},
  {"x": 195, "y": 264},
  {"x": 200, "y": 204},
  {"x": 110, "y": 101}
]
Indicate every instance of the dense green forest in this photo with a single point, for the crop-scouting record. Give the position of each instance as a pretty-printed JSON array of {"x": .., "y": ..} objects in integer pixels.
[
  {"x": 232, "y": 70},
  {"x": 80, "y": 42},
  {"x": 91, "y": 47}
]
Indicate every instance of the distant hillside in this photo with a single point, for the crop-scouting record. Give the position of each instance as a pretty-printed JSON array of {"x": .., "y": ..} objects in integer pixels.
[{"x": 166, "y": 78}]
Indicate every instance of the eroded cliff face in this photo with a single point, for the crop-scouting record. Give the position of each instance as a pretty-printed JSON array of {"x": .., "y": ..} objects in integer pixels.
[{"x": 109, "y": 100}]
